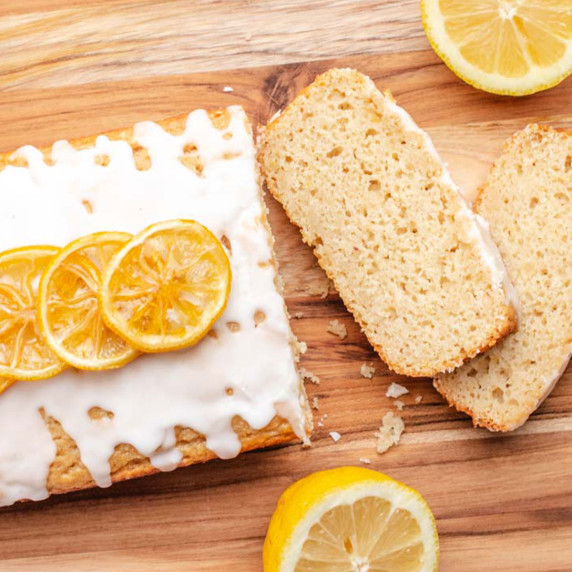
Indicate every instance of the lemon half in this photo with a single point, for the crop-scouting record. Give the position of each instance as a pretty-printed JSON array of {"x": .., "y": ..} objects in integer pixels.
[
  {"x": 351, "y": 519},
  {"x": 508, "y": 47}
]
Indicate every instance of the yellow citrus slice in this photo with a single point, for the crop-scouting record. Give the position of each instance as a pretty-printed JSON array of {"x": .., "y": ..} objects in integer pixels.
[
  {"x": 351, "y": 519},
  {"x": 68, "y": 304},
  {"x": 510, "y": 47},
  {"x": 24, "y": 354},
  {"x": 167, "y": 286}
]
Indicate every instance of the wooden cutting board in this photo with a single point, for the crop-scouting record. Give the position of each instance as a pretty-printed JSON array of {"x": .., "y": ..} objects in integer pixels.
[{"x": 502, "y": 502}]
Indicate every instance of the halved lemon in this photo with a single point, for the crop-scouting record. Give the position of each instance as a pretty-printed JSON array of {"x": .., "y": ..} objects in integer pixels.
[
  {"x": 351, "y": 520},
  {"x": 167, "y": 286},
  {"x": 68, "y": 304},
  {"x": 24, "y": 354},
  {"x": 509, "y": 47}
]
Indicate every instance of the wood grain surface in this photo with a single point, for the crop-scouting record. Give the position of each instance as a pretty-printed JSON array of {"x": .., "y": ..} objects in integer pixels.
[{"x": 67, "y": 69}]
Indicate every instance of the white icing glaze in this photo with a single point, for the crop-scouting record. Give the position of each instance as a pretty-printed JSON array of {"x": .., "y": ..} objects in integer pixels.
[
  {"x": 42, "y": 204},
  {"x": 478, "y": 227}
]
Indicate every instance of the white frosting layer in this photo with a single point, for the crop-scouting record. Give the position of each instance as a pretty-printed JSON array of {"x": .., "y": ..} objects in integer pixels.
[
  {"x": 43, "y": 204},
  {"x": 479, "y": 228}
]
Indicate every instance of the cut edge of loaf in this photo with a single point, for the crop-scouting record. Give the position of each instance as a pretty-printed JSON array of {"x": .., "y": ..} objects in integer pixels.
[
  {"x": 67, "y": 472},
  {"x": 509, "y": 320},
  {"x": 519, "y": 418}
]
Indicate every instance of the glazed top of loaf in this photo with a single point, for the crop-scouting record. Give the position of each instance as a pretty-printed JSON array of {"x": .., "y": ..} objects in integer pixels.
[{"x": 205, "y": 172}]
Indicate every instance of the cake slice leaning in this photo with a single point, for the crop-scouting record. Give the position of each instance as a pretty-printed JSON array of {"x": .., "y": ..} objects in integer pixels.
[
  {"x": 527, "y": 200},
  {"x": 388, "y": 225},
  {"x": 236, "y": 390}
]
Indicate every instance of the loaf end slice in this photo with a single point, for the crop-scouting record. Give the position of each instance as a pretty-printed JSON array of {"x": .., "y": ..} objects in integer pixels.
[
  {"x": 387, "y": 224},
  {"x": 527, "y": 199}
]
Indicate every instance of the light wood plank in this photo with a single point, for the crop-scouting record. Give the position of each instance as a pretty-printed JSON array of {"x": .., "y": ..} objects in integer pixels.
[{"x": 63, "y": 42}]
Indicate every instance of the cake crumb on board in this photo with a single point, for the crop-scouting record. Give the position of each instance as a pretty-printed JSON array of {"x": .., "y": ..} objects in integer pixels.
[
  {"x": 367, "y": 370},
  {"x": 336, "y": 328},
  {"x": 364, "y": 460},
  {"x": 418, "y": 398},
  {"x": 308, "y": 376},
  {"x": 335, "y": 436},
  {"x": 395, "y": 390},
  {"x": 399, "y": 404},
  {"x": 315, "y": 404},
  {"x": 298, "y": 315},
  {"x": 322, "y": 289},
  {"x": 389, "y": 433}
]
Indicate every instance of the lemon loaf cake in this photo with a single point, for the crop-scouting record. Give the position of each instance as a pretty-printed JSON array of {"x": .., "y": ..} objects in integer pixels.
[
  {"x": 388, "y": 225},
  {"x": 527, "y": 200},
  {"x": 215, "y": 399}
]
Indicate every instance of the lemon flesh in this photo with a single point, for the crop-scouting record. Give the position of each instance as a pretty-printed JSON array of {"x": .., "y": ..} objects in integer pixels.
[{"x": 509, "y": 47}]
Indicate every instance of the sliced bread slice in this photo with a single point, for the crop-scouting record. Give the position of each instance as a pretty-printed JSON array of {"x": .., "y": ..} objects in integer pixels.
[
  {"x": 388, "y": 225},
  {"x": 527, "y": 199}
]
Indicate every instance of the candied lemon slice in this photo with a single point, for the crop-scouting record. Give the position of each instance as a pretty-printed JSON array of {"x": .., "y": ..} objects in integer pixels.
[
  {"x": 167, "y": 286},
  {"x": 24, "y": 354},
  {"x": 510, "y": 47},
  {"x": 69, "y": 309},
  {"x": 351, "y": 519}
]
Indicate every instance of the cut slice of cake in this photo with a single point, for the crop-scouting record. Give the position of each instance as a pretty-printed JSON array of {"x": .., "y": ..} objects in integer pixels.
[
  {"x": 527, "y": 200},
  {"x": 388, "y": 225},
  {"x": 236, "y": 390}
]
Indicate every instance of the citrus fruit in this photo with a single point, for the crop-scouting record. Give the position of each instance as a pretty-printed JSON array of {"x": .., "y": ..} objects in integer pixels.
[
  {"x": 68, "y": 304},
  {"x": 509, "y": 47},
  {"x": 351, "y": 519},
  {"x": 167, "y": 286},
  {"x": 24, "y": 353}
]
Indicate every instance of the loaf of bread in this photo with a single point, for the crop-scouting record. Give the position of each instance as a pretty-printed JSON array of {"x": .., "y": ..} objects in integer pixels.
[
  {"x": 149, "y": 161},
  {"x": 527, "y": 199},
  {"x": 387, "y": 224}
]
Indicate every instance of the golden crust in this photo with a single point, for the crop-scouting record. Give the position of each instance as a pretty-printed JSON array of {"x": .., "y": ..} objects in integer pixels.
[{"x": 67, "y": 471}]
